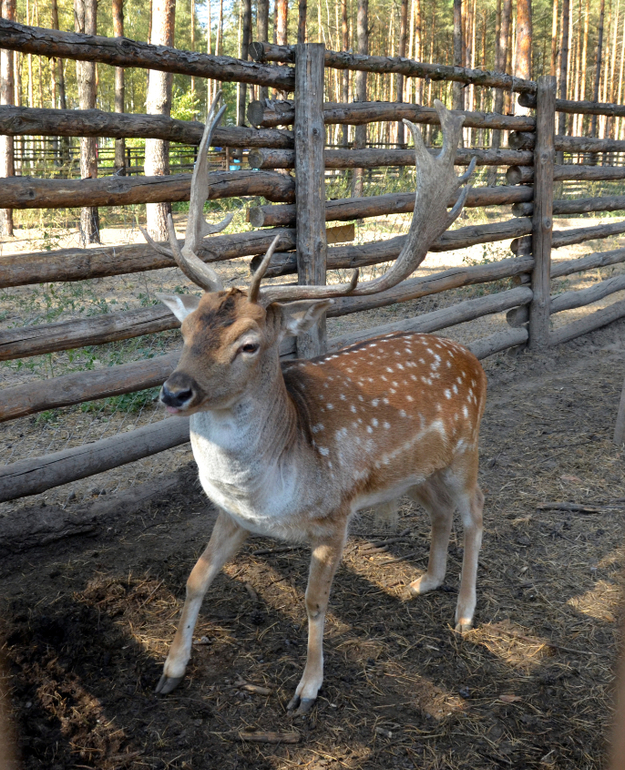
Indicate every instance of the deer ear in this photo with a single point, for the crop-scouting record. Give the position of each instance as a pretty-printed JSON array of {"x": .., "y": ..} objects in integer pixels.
[
  {"x": 299, "y": 316},
  {"x": 181, "y": 305}
]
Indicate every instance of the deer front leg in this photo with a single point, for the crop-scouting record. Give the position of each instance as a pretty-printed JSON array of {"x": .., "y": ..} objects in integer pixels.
[
  {"x": 226, "y": 539},
  {"x": 326, "y": 555}
]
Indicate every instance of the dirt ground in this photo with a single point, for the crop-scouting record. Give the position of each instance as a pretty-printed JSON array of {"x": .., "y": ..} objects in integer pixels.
[
  {"x": 85, "y": 620},
  {"x": 92, "y": 581}
]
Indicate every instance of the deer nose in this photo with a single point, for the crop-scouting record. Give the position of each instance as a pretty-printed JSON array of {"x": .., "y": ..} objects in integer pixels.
[{"x": 176, "y": 397}]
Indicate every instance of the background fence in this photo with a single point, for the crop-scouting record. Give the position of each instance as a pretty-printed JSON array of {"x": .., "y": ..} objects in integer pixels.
[{"x": 541, "y": 171}]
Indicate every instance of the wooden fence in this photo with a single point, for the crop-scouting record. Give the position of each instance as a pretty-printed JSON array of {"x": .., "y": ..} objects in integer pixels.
[{"x": 298, "y": 214}]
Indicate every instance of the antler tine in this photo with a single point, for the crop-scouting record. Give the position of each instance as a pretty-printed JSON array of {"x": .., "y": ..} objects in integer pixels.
[
  {"x": 293, "y": 292},
  {"x": 193, "y": 267},
  {"x": 156, "y": 246},
  {"x": 197, "y": 226},
  {"x": 436, "y": 185},
  {"x": 258, "y": 276}
]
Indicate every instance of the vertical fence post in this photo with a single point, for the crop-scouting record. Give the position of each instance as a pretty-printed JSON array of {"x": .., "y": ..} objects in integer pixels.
[
  {"x": 309, "y": 134},
  {"x": 542, "y": 221}
]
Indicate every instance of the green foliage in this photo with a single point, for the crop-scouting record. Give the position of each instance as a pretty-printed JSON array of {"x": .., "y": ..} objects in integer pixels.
[{"x": 185, "y": 105}]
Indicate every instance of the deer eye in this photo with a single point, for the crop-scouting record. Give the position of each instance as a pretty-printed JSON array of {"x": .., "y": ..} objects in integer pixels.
[{"x": 250, "y": 347}]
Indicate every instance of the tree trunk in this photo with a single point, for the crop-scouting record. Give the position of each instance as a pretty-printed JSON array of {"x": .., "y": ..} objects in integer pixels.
[
  {"x": 593, "y": 124},
  {"x": 401, "y": 52},
  {"x": 118, "y": 31},
  {"x": 457, "y": 90},
  {"x": 159, "y": 103},
  {"x": 262, "y": 35},
  {"x": 246, "y": 39},
  {"x": 301, "y": 21},
  {"x": 360, "y": 134},
  {"x": 417, "y": 52},
  {"x": 86, "y": 21},
  {"x": 281, "y": 19},
  {"x": 7, "y": 87},
  {"x": 192, "y": 15},
  {"x": 523, "y": 67},
  {"x": 501, "y": 54},
  {"x": 345, "y": 83},
  {"x": 554, "y": 39}
]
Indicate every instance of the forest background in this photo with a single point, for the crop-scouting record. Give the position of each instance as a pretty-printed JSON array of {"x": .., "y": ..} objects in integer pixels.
[{"x": 573, "y": 39}]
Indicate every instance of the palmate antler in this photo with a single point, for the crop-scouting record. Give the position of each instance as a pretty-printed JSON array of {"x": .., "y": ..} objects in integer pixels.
[{"x": 436, "y": 184}]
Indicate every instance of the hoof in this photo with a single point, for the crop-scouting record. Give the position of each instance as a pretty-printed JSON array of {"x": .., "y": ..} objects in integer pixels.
[
  {"x": 423, "y": 585},
  {"x": 464, "y": 625},
  {"x": 300, "y": 706},
  {"x": 167, "y": 683}
]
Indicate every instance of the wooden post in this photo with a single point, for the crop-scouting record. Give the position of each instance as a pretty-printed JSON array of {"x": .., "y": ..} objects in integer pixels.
[
  {"x": 542, "y": 221},
  {"x": 310, "y": 203}
]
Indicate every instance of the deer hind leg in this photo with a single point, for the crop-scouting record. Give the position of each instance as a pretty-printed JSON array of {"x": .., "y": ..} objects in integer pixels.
[
  {"x": 470, "y": 504},
  {"x": 326, "y": 555},
  {"x": 434, "y": 496},
  {"x": 226, "y": 539}
]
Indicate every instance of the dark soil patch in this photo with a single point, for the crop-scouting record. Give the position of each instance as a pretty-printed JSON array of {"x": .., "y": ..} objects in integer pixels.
[{"x": 86, "y": 619}]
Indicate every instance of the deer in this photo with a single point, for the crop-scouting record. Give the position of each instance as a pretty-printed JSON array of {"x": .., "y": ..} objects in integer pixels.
[{"x": 293, "y": 449}]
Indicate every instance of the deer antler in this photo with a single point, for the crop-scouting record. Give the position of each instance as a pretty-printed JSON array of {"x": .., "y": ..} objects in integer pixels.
[
  {"x": 436, "y": 184},
  {"x": 197, "y": 227}
]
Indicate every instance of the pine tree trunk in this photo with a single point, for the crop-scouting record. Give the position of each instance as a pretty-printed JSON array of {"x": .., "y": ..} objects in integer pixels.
[
  {"x": 401, "y": 52},
  {"x": 85, "y": 15},
  {"x": 246, "y": 39},
  {"x": 159, "y": 103},
  {"x": 418, "y": 50},
  {"x": 345, "y": 74},
  {"x": 595, "y": 95},
  {"x": 523, "y": 67},
  {"x": 262, "y": 35},
  {"x": 554, "y": 39},
  {"x": 457, "y": 90},
  {"x": 360, "y": 134},
  {"x": 7, "y": 89},
  {"x": 118, "y": 31}
]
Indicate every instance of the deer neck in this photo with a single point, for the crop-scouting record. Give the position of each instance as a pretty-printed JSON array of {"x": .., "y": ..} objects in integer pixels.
[{"x": 246, "y": 454}]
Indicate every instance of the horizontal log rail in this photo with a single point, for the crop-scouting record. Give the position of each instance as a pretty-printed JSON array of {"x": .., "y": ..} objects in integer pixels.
[
  {"x": 365, "y": 254},
  {"x": 28, "y": 121},
  {"x": 37, "y": 396},
  {"x": 415, "y": 288},
  {"x": 525, "y": 141},
  {"x": 271, "y": 114},
  {"x": 382, "y": 205},
  {"x": 66, "y": 335},
  {"x": 574, "y": 206},
  {"x": 265, "y": 52},
  {"x": 84, "y": 264},
  {"x": 588, "y": 262},
  {"x": 462, "y": 312},
  {"x": 578, "y": 108},
  {"x": 373, "y": 158},
  {"x": 37, "y": 474},
  {"x": 589, "y": 323},
  {"x": 122, "y": 52},
  {"x": 48, "y": 338},
  {"x": 572, "y": 299},
  {"x": 571, "y": 171},
  {"x": 29, "y": 193},
  {"x": 570, "y": 237}
]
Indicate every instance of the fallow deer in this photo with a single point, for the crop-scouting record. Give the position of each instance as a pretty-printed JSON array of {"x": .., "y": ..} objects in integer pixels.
[{"x": 293, "y": 449}]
